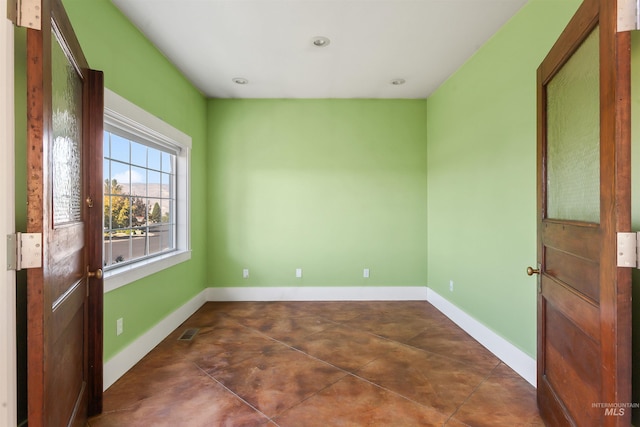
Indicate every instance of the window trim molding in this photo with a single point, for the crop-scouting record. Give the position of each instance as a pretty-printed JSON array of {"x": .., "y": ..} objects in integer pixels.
[{"x": 125, "y": 115}]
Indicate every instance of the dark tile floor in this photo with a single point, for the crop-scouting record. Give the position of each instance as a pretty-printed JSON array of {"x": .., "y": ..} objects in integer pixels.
[{"x": 305, "y": 364}]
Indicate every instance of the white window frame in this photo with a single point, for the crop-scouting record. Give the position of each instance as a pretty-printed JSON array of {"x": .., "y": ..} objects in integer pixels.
[{"x": 122, "y": 114}]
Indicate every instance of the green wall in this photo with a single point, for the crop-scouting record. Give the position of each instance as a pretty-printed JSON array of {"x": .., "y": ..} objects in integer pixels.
[
  {"x": 134, "y": 69},
  {"x": 481, "y": 126},
  {"x": 330, "y": 186}
]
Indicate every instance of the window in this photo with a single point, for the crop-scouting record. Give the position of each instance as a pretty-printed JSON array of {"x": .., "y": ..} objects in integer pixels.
[
  {"x": 146, "y": 193},
  {"x": 139, "y": 198}
]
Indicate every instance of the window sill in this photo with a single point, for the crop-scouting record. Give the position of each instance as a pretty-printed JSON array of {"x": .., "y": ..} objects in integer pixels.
[{"x": 122, "y": 276}]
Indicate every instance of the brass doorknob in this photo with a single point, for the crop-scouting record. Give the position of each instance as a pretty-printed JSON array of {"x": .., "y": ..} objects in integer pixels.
[
  {"x": 531, "y": 271},
  {"x": 95, "y": 274}
]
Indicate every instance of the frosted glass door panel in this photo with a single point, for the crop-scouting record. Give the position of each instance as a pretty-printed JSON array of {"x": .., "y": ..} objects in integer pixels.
[
  {"x": 573, "y": 137},
  {"x": 67, "y": 132}
]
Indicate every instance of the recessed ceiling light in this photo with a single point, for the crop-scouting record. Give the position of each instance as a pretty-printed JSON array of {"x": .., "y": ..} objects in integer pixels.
[
  {"x": 240, "y": 81},
  {"x": 320, "y": 41},
  {"x": 398, "y": 82}
]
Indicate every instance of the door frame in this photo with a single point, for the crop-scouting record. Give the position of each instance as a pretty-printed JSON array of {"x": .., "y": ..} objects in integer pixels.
[{"x": 8, "y": 391}]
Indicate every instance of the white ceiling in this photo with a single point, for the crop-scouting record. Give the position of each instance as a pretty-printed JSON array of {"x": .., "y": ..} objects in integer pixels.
[{"x": 269, "y": 42}]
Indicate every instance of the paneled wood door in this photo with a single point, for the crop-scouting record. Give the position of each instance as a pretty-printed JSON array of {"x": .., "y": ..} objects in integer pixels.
[
  {"x": 64, "y": 184},
  {"x": 584, "y": 300}
]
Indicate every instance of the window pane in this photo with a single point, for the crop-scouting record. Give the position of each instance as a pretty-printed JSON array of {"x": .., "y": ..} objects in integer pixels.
[
  {"x": 138, "y": 154},
  {"x": 107, "y": 213},
  {"x": 106, "y": 174},
  {"x": 147, "y": 206},
  {"x": 167, "y": 216},
  {"x": 155, "y": 211},
  {"x": 119, "y": 148},
  {"x": 166, "y": 180},
  {"x": 120, "y": 212},
  {"x": 167, "y": 163},
  {"x": 138, "y": 181},
  {"x": 154, "y": 159},
  {"x": 106, "y": 252},
  {"x": 154, "y": 188},
  {"x": 120, "y": 249},
  {"x": 120, "y": 174},
  {"x": 105, "y": 144},
  {"x": 138, "y": 245},
  {"x": 159, "y": 238},
  {"x": 138, "y": 212}
]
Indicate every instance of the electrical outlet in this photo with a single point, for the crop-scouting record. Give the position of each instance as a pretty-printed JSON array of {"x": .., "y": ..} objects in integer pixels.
[
  {"x": 450, "y": 285},
  {"x": 365, "y": 273},
  {"x": 298, "y": 272},
  {"x": 245, "y": 273},
  {"x": 119, "y": 326}
]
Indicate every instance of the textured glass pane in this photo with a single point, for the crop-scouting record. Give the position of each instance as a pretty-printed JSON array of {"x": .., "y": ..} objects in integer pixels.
[
  {"x": 67, "y": 133},
  {"x": 573, "y": 135}
]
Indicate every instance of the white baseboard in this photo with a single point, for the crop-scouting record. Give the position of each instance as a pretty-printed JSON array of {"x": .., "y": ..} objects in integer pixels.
[
  {"x": 316, "y": 293},
  {"x": 512, "y": 356},
  {"x": 119, "y": 364}
]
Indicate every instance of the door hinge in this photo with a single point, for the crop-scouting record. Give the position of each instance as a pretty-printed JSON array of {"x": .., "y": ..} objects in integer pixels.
[
  {"x": 24, "y": 250},
  {"x": 627, "y": 250},
  {"x": 25, "y": 13},
  {"x": 628, "y": 15}
]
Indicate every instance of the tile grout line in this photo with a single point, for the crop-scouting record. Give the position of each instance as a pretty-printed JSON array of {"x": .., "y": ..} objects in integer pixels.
[
  {"x": 406, "y": 345},
  {"x": 473, "y": 391},
  {"x": 233, "y": 392},
  {"x": 312, "y": 395},
  {"x": 392, "y": 391}
]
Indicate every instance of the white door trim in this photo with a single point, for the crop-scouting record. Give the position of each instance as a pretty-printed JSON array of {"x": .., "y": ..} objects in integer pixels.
[{"x": 8, "y": 393}]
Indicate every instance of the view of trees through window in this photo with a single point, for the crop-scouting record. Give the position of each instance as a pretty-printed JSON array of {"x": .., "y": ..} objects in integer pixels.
[{"x": 139, "y": 200}]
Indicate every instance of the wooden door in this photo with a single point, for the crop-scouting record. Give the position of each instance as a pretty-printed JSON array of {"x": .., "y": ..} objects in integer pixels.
[
  {"x": 584, "y": 300},
  {"x": 64, "y": 156}
]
